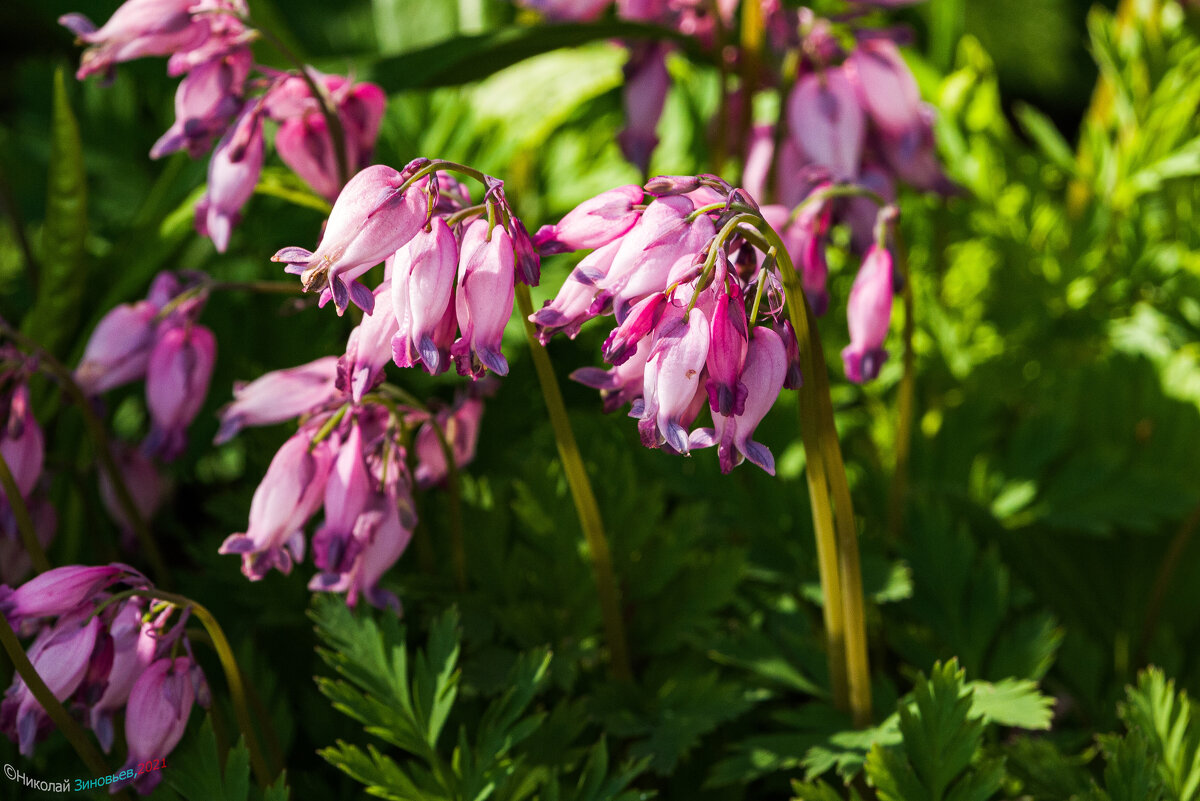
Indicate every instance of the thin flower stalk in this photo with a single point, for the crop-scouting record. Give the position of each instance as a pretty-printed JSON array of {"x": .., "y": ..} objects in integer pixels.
[
  {"x": 581, "y": 493},
  {"x": 24, "y": 521}
]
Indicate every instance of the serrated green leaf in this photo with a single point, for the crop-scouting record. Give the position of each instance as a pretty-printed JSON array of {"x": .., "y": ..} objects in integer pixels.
[
  {"x": 1167, "y": 721},
  {"x": 1012, "y": 702},
  {"x": 62, "y": 280}
]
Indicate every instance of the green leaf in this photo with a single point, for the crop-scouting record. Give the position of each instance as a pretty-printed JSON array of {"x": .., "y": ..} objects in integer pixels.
[
  {"x": 940, "y": 741},
  {"x": 196, "y": 774},
  {"x": 1129, "y": 771},
  {"x": 464, "y": 59},
  {"x": 1167, "y": 720},
  {"x": 1043, "y": 133},
  {"x": 1012, "y": 702},
  {"x": 61, "y": 283}
]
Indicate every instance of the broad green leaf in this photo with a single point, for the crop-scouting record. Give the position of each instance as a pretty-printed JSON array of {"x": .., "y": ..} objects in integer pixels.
[
  {"x": 1011, "y": 702},
  {"x": 61, "y": 283}
]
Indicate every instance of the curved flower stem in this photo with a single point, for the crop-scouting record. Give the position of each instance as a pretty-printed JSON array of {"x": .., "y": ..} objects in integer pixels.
[
  {"x": 334, "y": 123},
  {"x": 818, "y": 427},
  {"x": 581, "y": 492},
  {"x": 62, "y": 719},
  {"x": 457, "y": 545},
  {"x": 233, "y": 674},
  {"x": 103, "y": 451},
  {"x": 24, "y": 522},
  {"x": 905, "y": 401}
]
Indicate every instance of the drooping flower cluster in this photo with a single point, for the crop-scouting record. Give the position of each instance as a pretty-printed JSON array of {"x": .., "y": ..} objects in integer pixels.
[
  {"x": 349, "y": 456},
  {"x": 23, "y": 447},
  {"x": 126, "y": 656},
  {"x": 450, "y": 275},
  {"x": 700, "y": 312},
  {"x": 158, "y": 339},
  {"x": 224, "y": 96}
]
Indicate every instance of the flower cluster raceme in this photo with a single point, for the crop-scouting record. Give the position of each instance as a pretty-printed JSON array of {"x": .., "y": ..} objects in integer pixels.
[
  {"x": 23, "y": 447},
  {"x": 224, "y": 96},
  {"x": 700, "y": 312},
  {"x": 160, "y": 340},
  {"x": 350, "y": 457},
  {"x": 450, "y": 270},
  {"x": 100, "y": 653}
]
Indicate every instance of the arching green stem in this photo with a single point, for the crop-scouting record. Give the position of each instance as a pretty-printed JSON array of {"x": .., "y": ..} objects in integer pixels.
[
  {"x": 817, "y": 418},
  {"x": 581, "y": 492},
  {"x": 25, "y": 525}
]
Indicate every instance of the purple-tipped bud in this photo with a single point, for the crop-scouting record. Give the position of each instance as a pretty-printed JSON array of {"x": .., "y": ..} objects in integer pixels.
[
  {"x": 727, "y": 353},
  {"x": 645, "y": 93},
  {"x": 379, "y": 540},
  {"x": 423, "y": 274},
  {"x": 62, "y": 590},
  {"x": 460, "y": 425},
  {"x": 206, "y": 101},
  {"x": 160, "y": 703},
  {"x": 369, "y": 349},
  {"x": 869, "y": 311},
  {"x": 827, "y": 121},
  {"x": 485, "y": 299},
  {"x": 572, "y": 306},
  {"x": 623, "y": 342},
  {"x": 666, "y": 185},
  {"x": 593, "y": 223},
  {"x": 370, "y": 221},
  {"x": 119, "y": 348},
  {"x": 177, "y": 377},
  {"x": 290, "y": 492},
  {"x": 137, "y": 29},
  {"x": 232, "y": 175},
  {"x": 766, "y": 367},
  {"x": 279, "y": 395},
  {"x": 672, "y": 380}
]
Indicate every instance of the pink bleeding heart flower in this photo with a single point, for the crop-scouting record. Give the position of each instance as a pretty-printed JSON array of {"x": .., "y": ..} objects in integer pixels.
[
  {"x": 912, "y": 153},
  {"x": 593, "y": 223},
  {"x": 177, "y": 377},
  {"x": 572, "y": 306},
  {"x": 382, "y": 538},
  {"x": 794, "y": 378},
  {"x": 290, "y": 492},
  {"x": 766, "y": 368},
  {"x": 672, "y": 380},
  {"x": 137, "y": 29},
  {"x": 659, "y": 250},
  {"x": 369, "y": 348},
  {"x": 486, "y": 289},
  {"x": 885, "y": 85},
  {"x": 145, "y": 481},
  {"x": 568, "y": 10},
  {"x": 63, "y": 590},
  {"x": 134, "y": 645},
  {"x": 119, "y": 348},
  {"x": 221, "y": 30},
  {"x": 232, "y": 175},
  {"x": 727, "y": 352},
  {"x": 371, "y": 219},
  {"x": 21, "y": 442},
  {"x": 869, "y": 311},
  {"x": 423, "y": 273},
  {"x": 347, "y": 494},
  {"x": 460, "y": 426},
  {"x": 645, "y": 93},
  {"x": 156, "y": 715},
  {"x": 279, "y": 395},
  {"x": 827, "y": 121},
  {"x": 206, "y": 101},
  {"x": 623, "y": 383},
  {"x": 61, "y": 655}
]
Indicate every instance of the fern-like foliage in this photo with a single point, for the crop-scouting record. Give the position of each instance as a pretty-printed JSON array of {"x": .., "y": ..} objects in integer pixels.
[{"x": 196, "y": 773}]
